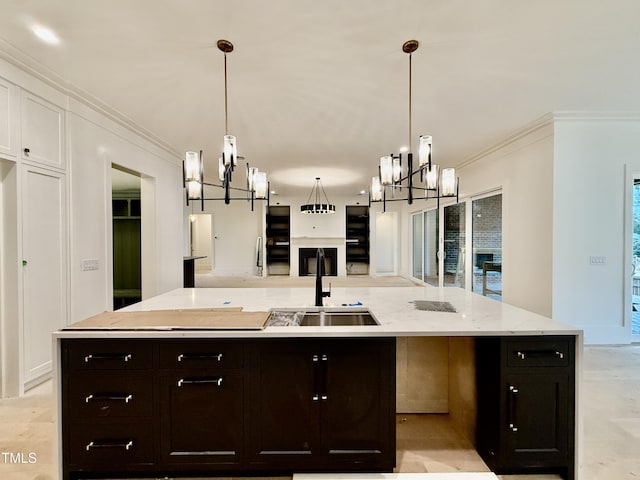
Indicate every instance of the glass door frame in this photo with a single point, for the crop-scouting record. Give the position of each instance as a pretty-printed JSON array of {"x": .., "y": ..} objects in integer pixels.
[
  {"x": 468, "y": 202},
  {"x": 628, "y": 269}
]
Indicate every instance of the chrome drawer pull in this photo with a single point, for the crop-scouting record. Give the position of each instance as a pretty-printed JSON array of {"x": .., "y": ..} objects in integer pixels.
[
  {"x": 126, "y": 446},
  {"x": 513, "y": 390},
  {"x": 105, "y": 398},
  {"x": 522, "y": 355},
  {"x": 199, "y": 381},
  {"x": 199, "y": 356},
  {"x": 125, "y": 357}
]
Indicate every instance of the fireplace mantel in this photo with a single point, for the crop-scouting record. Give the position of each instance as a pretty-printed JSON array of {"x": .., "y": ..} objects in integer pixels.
[{"x": 318, "y": 242}]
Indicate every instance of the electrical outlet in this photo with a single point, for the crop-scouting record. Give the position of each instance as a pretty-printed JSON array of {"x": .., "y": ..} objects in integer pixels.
[
  {"x": 597, "y": 260},
  {"x": 89, "y": 264}
]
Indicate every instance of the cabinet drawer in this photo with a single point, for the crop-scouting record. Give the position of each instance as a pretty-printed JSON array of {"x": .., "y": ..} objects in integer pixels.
[
  {"x": 109, "y": 395},
  {"x": 538, "y": 353},
  {"x": 111, "y": 444},
  {"x": 109, "y": 355},
  {"x": 200, "y": 354}
]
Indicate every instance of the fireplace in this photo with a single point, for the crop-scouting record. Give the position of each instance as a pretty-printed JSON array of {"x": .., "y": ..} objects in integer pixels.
[{"x": 307, "y": 261}]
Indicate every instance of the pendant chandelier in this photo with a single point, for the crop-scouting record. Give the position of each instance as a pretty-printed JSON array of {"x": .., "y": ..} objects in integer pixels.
[
  {"x": 318, "y": 208},
  {"x": 430, "y": 184},
  {"x": 257, "y": 186}
]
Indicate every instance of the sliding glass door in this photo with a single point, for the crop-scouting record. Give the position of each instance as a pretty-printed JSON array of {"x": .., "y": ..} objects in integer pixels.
[
  {"x": 431, "y": 250},
  {"x": 487, "y": 246},
  {"x": 417, "y": 246},
  {"x": 454, "y": 245},
  {"x": 425, "y": 263}
]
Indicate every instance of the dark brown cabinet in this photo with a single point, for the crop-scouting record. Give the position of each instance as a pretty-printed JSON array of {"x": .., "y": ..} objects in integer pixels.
[
  {"x": 154, "y": 407},
  {"x": 323, "y": 403},
  {"x": 201, "y": 395},
  {"x": 526, "y": 391},
  {"x": 108, "y": 407}
]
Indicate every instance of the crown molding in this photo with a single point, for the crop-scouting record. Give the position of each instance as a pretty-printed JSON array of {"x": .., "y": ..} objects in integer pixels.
[
  {"x": 29, "y": 65},
  {"x": 538, "y": 124},
  {"x": 596, "y": 116},
  {"x": 550, "y": 119}
]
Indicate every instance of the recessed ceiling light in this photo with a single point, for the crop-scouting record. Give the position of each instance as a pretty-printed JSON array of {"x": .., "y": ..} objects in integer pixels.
[
  {"x": 273, "y": 192},
  {"x": 404, "y": 149},
  {"x": 362, "y": 192},
  {"x": 46, "y": 35}
]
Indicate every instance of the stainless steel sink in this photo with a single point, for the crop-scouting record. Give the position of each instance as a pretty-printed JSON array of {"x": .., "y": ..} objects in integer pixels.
[{"x": 326, "y": 316}]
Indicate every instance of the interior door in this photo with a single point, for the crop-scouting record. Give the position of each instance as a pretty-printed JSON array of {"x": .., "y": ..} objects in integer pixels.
[{"x": 44, "y": 275}]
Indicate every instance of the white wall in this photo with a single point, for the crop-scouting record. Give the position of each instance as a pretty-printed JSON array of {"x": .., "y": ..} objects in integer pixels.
[
  {"x": 589, "y": 220},
  {"x": 235, "y": 231},
  {"x": 523, "y": 167},
  {"x": 94, "y": 144}
]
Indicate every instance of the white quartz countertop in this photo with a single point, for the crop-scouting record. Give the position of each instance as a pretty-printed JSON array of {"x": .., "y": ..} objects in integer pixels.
[{"x": 392, "y": 306}]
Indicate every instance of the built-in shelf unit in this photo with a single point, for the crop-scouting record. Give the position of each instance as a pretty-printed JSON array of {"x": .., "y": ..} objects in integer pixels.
[
  {"x": 357, "y": 239},
  {"x": 278, "y": 240}
]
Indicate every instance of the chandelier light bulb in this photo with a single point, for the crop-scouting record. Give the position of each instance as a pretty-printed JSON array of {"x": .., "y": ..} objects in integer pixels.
[
  {"x": 194, "y": 190},
  {"x": 432, "y": 177},
  {"x": 448, "y": 182},
  {"x": 260, "y": 184},
  {"x": 397, "y": 170},
  {"x": 386, "y": 170},
  {"x": 229, "y": 152},
  {"x": 424, "y": 150},
  {"x": 376, "y": 189},
  {"x": 192, "y": 167}
]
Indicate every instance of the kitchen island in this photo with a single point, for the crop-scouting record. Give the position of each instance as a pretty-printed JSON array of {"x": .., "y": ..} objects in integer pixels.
[{"x": 512, "y": 360}]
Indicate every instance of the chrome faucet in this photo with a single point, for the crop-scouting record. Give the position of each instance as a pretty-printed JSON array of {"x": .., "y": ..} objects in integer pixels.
[{"x": 320, "y": 294}]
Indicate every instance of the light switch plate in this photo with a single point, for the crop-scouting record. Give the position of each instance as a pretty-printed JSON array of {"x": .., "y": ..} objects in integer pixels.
[
  {"x": 90, "y": 264},
  {"x": 597, "y": 260}
]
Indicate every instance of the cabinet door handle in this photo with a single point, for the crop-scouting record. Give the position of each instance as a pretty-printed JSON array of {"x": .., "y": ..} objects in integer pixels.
[
  {"x": 125, "y": 357},
  {"x": 513, "y": 395},
  {"x": 324, "y": 394},
  {"x": 199, "y": 381},
  {"x": 524, "y": 354},
  {"x": 125, "y": 444},
  {"x": 126, "y": 398},
  {"x": 200, "y": 356}
]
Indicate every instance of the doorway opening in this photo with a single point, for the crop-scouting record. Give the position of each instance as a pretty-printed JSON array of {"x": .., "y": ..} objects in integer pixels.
[
  {"x": 127, "y": 252},
  {"x": 201, "y": 241}
]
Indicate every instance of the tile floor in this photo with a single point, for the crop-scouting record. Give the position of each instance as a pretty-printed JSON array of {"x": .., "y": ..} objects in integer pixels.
[{"x": 611, "y": 408}]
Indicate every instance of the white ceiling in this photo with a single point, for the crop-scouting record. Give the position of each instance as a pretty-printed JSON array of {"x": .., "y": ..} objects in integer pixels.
[{"x": 319, "y": 88}]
